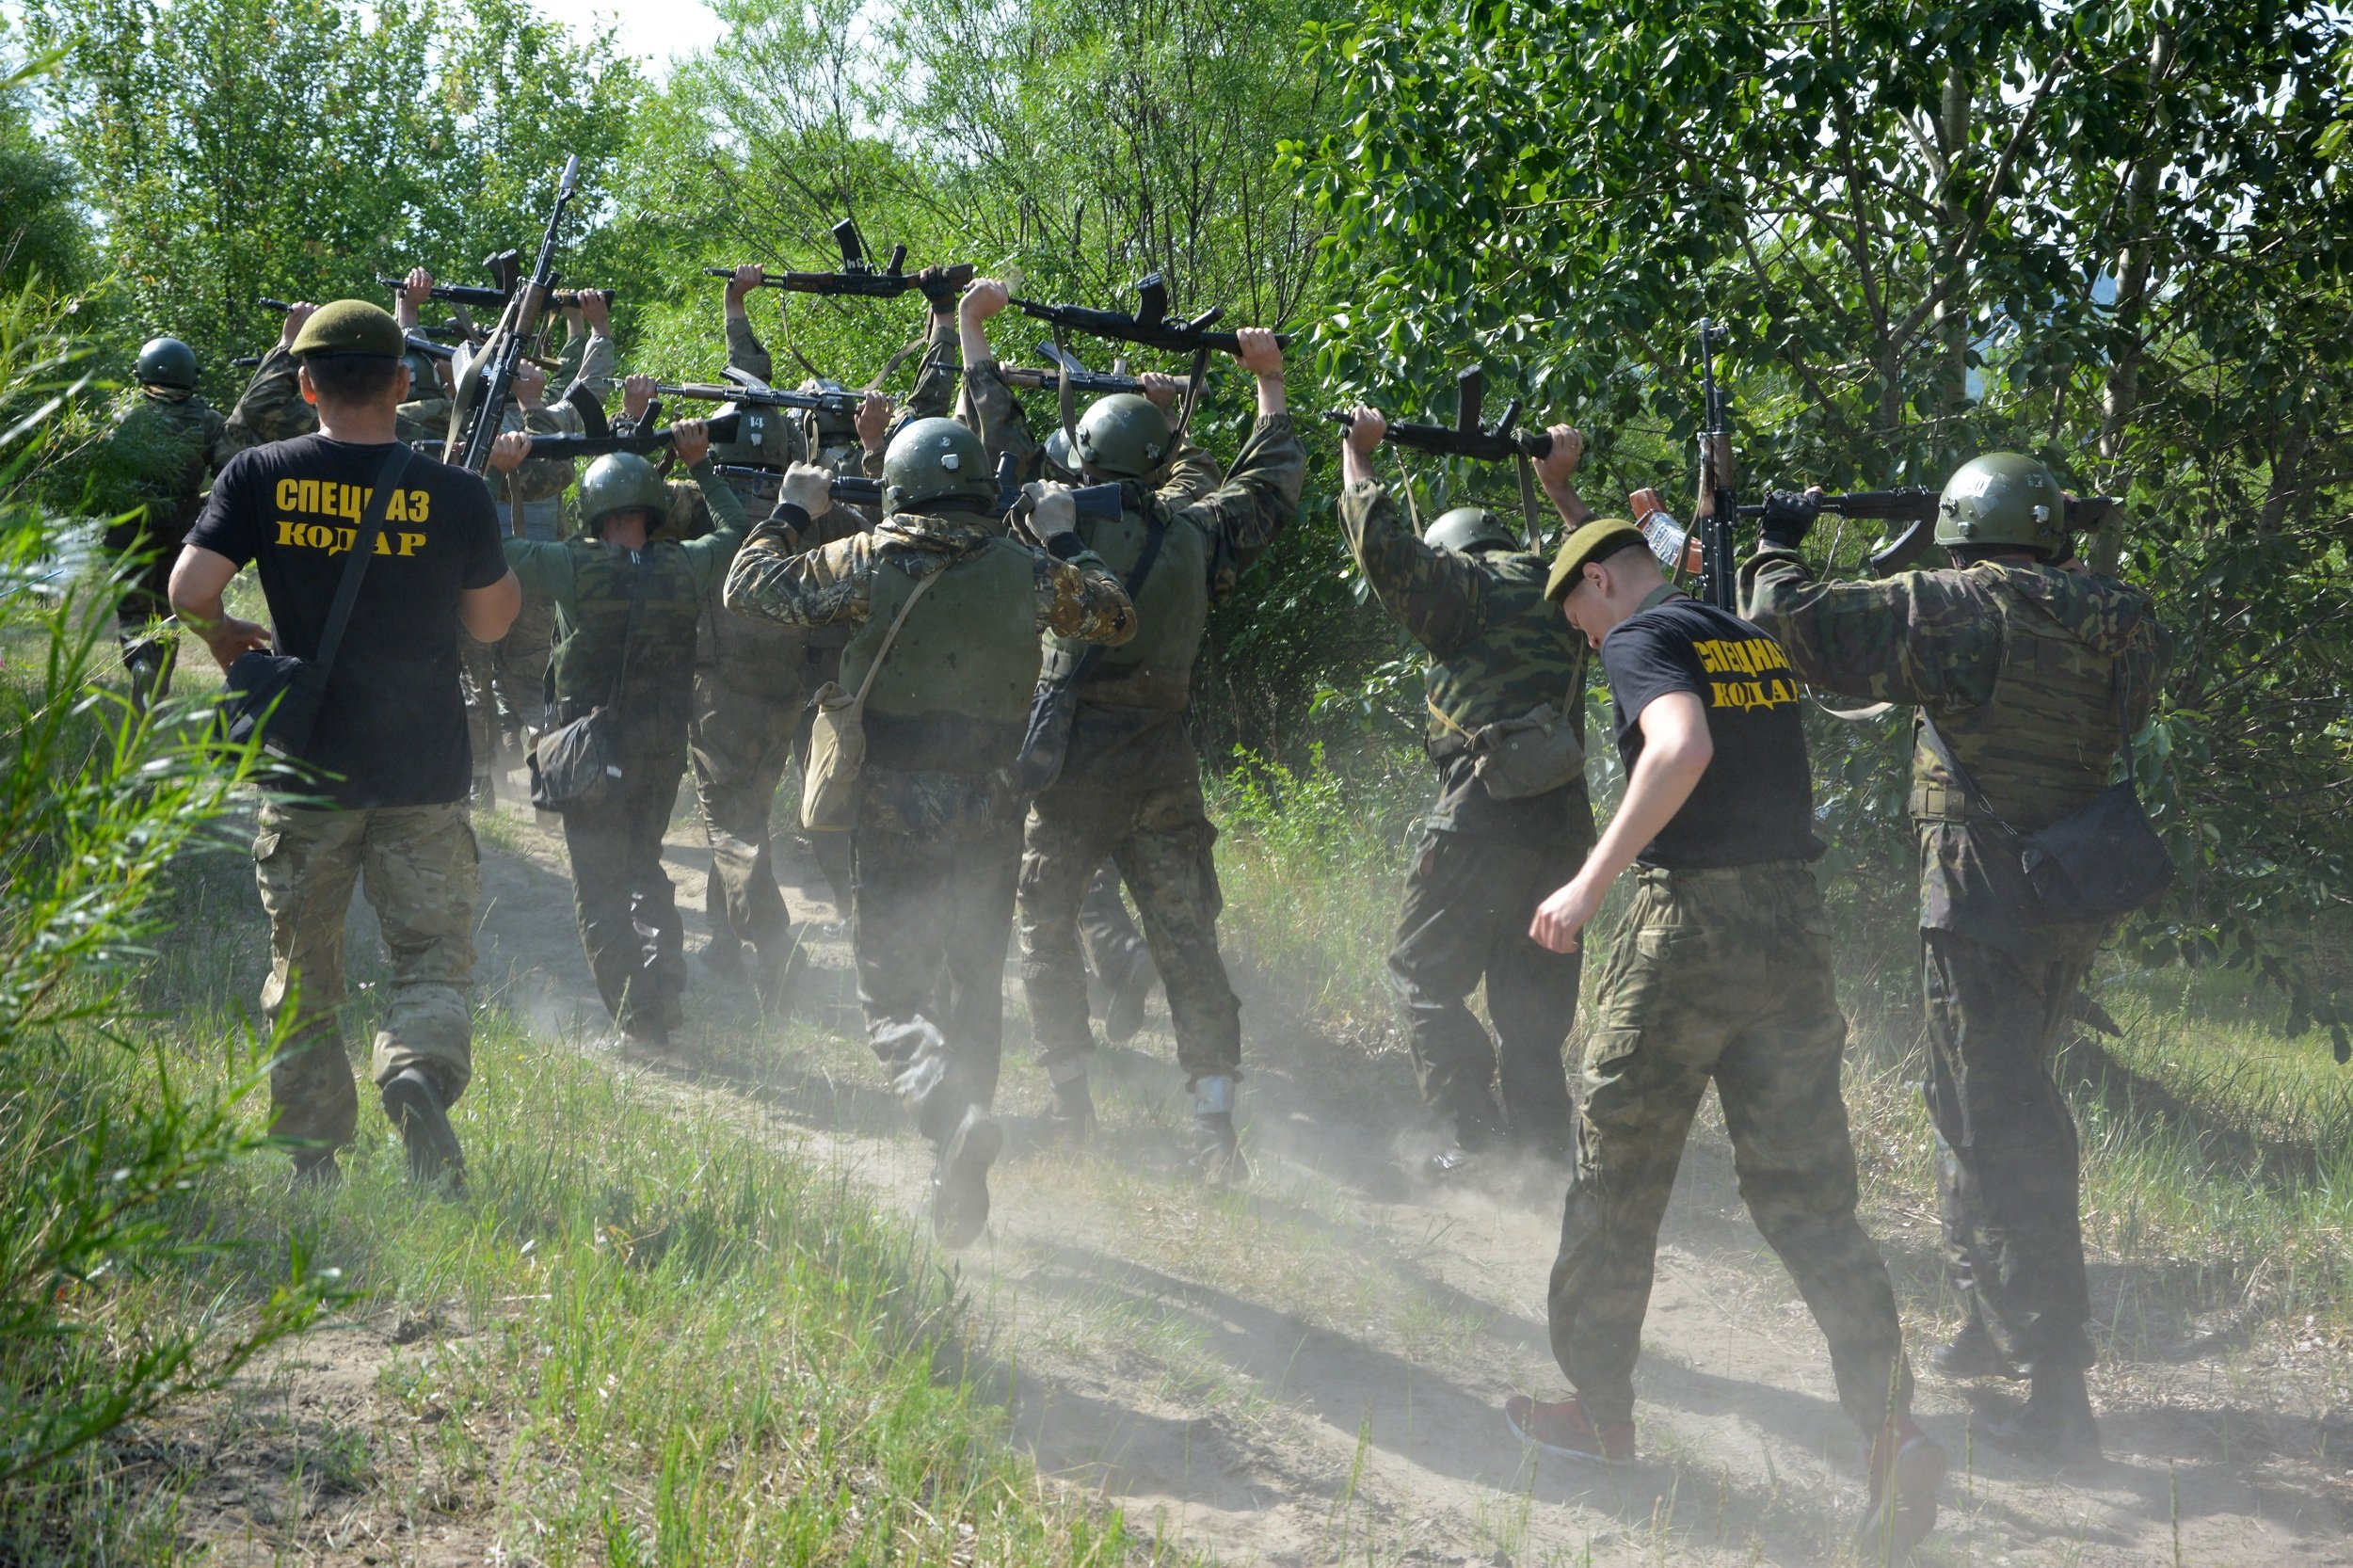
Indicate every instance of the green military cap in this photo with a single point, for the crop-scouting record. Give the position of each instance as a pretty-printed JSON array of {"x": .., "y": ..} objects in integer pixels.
[
  {"x": 1601, "y": 537},
  {"x": 350, "y": 327}
]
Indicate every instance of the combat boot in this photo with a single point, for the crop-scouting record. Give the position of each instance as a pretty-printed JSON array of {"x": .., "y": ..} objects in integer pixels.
[
  {"x": 1907, "y": 1470},
  {"x": 1562, "y": 1427},
  {"x": 1972, "y": 1353},
  {"x": 960, "y": 1178},
  {"x": 1073, "y": 1116},
  {"x": 1216, "y": 1148},
  {"x": 1477, "y": 1126},
  {"x": 413, "y": 1101},
  {"x": 2056, "y": 1425},
  {"x": 722, "y": 958}
]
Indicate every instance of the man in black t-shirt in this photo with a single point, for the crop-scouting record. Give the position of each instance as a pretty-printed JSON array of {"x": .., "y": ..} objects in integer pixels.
[
  {"x": 1719, "y": 972},
  {"x": 389, "y": 755}
]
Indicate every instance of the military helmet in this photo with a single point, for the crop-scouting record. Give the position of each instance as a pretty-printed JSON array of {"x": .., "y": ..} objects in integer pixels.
[
  {"x": 829, "y": 426},
  {"x": 2003, "y": 498},
  {"x": 1123, "y": 436},
  {"x": 165, "y": 362},
  {"x": 1469, "y": 528},
  {"x": 1060, "y": 464},
  {"x": 936, "y": 460},
  {"x": 620, "y": 482}
]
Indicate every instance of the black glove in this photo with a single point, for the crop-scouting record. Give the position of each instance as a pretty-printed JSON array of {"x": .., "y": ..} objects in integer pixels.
[
  {"x": 1788, "y": 516},
  {"x": 938, "y": 287},
  {"x": 782, "y": 528}
]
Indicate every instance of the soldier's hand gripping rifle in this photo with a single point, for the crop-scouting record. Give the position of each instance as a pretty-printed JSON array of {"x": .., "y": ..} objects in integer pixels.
[
  {"x": 494, "y": 298},
  {"x": 1501, "y": 442},
  {"x": 858, "y": 276},
  {"x": 1910, "y": 514},
  {"x": 1101, "y": 501},
  {"x": 480, "y": 407},
  {"x": 600, "y": 443}
]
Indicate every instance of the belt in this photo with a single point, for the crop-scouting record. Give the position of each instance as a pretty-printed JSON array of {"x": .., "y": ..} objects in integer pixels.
[
  {"x": 1934, "y": 802},
  {"x": 1667, "y": 876}
]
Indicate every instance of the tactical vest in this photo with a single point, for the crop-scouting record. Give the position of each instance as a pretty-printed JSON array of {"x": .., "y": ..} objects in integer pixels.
[
  {"x": 954, "y": 692},
  {"x": 750, "y": 653},
  {"x": 1525, "y": 653},
  {"x": 659, "y": 691},
  {"x": 2043, "y": 745},
  {"x": 1154, "y": 668}
]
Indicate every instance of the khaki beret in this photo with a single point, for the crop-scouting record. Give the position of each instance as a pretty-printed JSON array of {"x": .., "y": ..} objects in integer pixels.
[
  {"x": 1601, "y": 537},
  {"x": 350, "y": 327}
]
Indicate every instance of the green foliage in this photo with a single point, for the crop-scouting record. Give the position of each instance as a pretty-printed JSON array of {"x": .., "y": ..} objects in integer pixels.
[
  {"x": 41, "y": 233},
  {"x": 248, "y": 146},
  {"x": 98, "y": 1139},
  {"x": 2112, "y": 236}
]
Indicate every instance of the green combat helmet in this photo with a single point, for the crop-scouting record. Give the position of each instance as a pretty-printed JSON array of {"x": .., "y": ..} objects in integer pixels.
[
  {"x": 2003, "y": 498},
  {"x": 165, "y": 362},
  {"x": 617, "y": 483},
  {"x": 1060, "y": 464},
  {"x": 829, "y": 429},
  {"x": 1123, "y": 436},
  {"x": 1464, "y": 529},
  {"x": 936, "y": 460}
]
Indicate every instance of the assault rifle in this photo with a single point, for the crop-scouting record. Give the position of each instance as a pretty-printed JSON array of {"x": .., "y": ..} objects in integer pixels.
[
  {"x": 603, "y": 442},
  {"x": 1093, "y": 383},
  {"x": 757, "y": 396},
  {"x": 1719, "y": 582},
  {"x": 1152, "y": 326},
  {"x": 858, "y": 277},
  {"x": 494, "y": 298},
  {"x": 480, "y": 405},
  {"x": 1911, "y": 509},
  {"x": 1499, "y": 443}
]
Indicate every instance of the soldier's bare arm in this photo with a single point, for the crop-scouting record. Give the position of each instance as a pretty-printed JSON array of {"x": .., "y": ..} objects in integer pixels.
[
  {"x": 199, "y": 579},
  {"x": 1261, "y": 497},
  {"x": 1677, "y": 749}
]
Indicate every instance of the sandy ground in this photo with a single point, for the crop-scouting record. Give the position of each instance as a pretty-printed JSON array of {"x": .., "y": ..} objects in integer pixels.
[{"x": 1311, "y": 1369}]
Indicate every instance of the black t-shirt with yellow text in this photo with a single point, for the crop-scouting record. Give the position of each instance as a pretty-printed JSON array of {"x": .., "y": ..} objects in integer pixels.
[
  {"x": 1755, "y": 801},
  {"x": 392, "y": 728}
]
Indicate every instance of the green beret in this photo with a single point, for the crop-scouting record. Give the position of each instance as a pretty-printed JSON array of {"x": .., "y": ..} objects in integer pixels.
[
  {"x": 350, "y": 327},
  {"x": 1596, "y": 540}
]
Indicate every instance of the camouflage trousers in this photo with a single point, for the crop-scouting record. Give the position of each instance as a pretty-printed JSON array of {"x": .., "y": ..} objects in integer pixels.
[
  {"x": 740, "y": 742},
  {"x": 1468, "y": 901},
  {"x": 627, "y": 906},
  {"x": 1160, "y": 838},
  {"x": 930, "y": 913},
  {"x": 2007, "y": 1152},
  {"x": 421, "y": 872},
  {"x": 1720, "y": 976}
]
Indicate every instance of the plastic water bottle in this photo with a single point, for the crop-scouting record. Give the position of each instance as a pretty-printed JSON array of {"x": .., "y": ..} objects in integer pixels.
[{"x": 1668, "y": 539}]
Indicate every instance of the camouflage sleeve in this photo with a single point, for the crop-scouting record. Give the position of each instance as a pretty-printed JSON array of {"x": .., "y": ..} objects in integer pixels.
[
  {"x": 542, "y": 477},
  {"x": 219, "y": 445},
  {"x": 1003, "y": 426},
  {"x": 1913, "y": 638},
  {"x": 541, "y": 565},
  {"x": 831, "y": 585},
  {"x": 271, "y": 407},
  {"x": 597, "y": 362},
  {"x": 872, "y": 462},
  {"x": 935, "y": 393},
  {"x": 710, "y": 555},
  {"x": 1434, "y": 594},
  {"x": 1080, "y": 598},
  {"x": 745, "y": 352},
  {"x": 1242, "y": 516},
  {"x": 1190, "y": 476}
]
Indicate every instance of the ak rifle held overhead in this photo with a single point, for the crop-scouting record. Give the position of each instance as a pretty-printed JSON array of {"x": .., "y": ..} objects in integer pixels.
[
  {"x": 1910, "y": 509},
  {"x": 859, "y": 277},
  {"x": 1499, "y": 443},
  {"x": 493, "y": 298},
  {"x": 752, "y": 394},
  {"x": 482, "y": 403},
  {"x": 1090, "y": 383},
  {"x": 1151, "y": 327}
]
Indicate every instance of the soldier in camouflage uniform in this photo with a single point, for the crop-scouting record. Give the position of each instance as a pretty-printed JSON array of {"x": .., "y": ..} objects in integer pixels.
[
  {"x": 1130, "y": 782},
  {"x": 629, "y": 921},
  {"x": 167, "y": 443},
  {"x": 844, "y": 443},
  {"x": 2033, "y": 673},
  {"x": 272, "y": 407},
  {"x": 1466, "y": 592},
  {"x": 1719, "y": 972},
  {"x": 936, "y": 842}
]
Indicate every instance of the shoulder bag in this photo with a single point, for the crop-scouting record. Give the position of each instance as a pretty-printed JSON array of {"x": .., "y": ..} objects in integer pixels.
[{"x": 577, "y": 765}]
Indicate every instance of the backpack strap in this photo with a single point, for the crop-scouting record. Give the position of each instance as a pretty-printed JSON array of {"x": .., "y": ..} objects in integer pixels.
[
  {"x": 363, "y": 541},
  {"x": 857, "y": 703}
]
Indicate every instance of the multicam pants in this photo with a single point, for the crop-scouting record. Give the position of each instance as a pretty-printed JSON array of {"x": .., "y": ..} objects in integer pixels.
[
  {"x": 421, "y": 872},
  {"x": 1160, "y": 838},
  {"x": 1720, "y": 976},
  {"x": 742, "y": 742},
  {"x": 627, "y": 906},
  {"x": 1468, "y": 901},
  {"x": 2005, "y": 1144}
]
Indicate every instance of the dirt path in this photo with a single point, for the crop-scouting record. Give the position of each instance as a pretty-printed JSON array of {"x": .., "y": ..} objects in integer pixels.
[{"x": 1311, "y": 1369}]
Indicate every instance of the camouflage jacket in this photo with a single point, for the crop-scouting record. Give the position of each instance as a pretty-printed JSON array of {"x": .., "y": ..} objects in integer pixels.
[
  {"x": 1941, "y": 641},
  {"x": 834, "y": 583},
  {"x": 593, "y": 584},
  {"x": 272, "y": 406},
  {"x": 159, "y": 460},
  {"x": 1498, "y": 650},
  {"x": 585, "y": 362}
]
